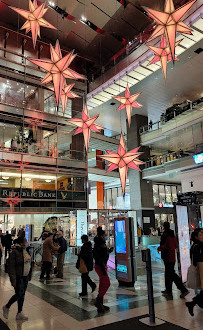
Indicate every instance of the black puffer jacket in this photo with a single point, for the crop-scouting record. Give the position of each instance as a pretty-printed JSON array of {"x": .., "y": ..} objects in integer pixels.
[
  {"x": 16, "y": 263},
  {"x": 86, "y": 254},
  {"x": 196, "y": 252},
  {"x": 100, "y": 252},
  {"x": 63, "y": 245}
]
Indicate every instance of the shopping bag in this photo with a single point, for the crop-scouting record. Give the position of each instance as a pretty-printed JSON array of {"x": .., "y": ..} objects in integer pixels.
[
  {"x": 83, "y": 267},
  {"x": 193, "y": 278}
]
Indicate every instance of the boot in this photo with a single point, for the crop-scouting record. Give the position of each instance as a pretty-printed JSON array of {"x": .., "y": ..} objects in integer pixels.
[
  {"x": 107, "y": 309},
  {"x": 190, "y": 305},
  {"x": 98, "y": 304}
]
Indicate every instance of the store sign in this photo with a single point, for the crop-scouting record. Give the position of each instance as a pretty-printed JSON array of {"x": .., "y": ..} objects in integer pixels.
[
  {"x": 42, "y": 194},
  {"x": 187, "y": 198},
  {"x": 160, "y": 205},
  {"x": 198, "y": 158},
  {"x": 81, "y": 225}
]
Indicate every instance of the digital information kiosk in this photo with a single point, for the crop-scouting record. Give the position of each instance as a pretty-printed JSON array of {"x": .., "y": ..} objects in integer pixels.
[
  {"x": 125, "y": 251},
  {"x": 29, "y": 233}
]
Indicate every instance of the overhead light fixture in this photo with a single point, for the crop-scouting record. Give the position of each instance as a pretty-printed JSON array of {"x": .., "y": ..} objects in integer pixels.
[
  {"x": 28, "y": 179},
  {"x": 33, "y": 176},
  {"x": 83, "y": 19},
  {"x": 5, "y": 177},
  {"x": 52, "y": 4},
  {"x": 48, "y": 181}
]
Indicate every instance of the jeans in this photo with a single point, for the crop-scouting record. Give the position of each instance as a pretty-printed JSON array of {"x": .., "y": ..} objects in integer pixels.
[
  {"x": 104, "y": 281},
  {"x": 86, "y": 280},
  {"x": 171, "y": 276},
  {"x": 60, "y": 262},
  {"x": 46, "y": 269},
  {"x": 19, "y": 296}
]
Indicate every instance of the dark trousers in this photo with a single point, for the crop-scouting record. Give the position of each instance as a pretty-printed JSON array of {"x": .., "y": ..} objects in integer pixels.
[
  {"x": 198, "y": 299},
  {"x": 0, "y": 256},
  {"x": 46, "y": 269},
  {"x": 171, "y": 276},
  {"x": 19, "y": 296},
  {"x": 86, "y": 280},
  {"x": 7, "y": 250}
]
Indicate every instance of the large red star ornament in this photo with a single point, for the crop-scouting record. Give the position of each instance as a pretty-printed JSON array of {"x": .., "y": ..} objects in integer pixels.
[
  {"x": 162, "y": 54},
  {"x": 57, "y": 69},
  {"x": 123, "y": 160},
  {"x": 128, "y": 102},
  {"x": 34, "y": 19},
  {"x": 86, "y": 125},
  {"x": 66, "y": 94},
  {"x": 169, "y": 22}
]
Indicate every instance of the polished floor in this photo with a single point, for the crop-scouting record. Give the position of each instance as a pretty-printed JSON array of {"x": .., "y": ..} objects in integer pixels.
[{"x": 56, "y": 305}]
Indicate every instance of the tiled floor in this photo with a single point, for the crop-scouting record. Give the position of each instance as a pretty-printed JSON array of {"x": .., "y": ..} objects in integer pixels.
[{"x": 55, "y": 305}]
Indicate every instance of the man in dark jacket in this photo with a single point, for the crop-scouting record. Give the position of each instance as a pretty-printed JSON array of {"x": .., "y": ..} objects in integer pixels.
[
  {"x": 7, "y": 243},
  {"x": 61, "y": 253},
  {"x": 87, "y": 255},
  {"x": 168, "y": 246},
  {"x": 19, "y": 269}
]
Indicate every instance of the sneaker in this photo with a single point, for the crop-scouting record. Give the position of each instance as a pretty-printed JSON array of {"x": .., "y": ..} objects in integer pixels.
[
  {"x": 184, "y": 294},
  {"x": 21, "y": 316},
  {"x": 5, "y": 312},
  {"x": 190, "y": 307},
  {"x": 166, "y": 293},
  {"x": 94, "y": 287}
]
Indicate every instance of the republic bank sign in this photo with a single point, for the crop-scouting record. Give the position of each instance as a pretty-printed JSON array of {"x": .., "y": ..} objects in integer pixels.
[{"x": 41, "y": 194}]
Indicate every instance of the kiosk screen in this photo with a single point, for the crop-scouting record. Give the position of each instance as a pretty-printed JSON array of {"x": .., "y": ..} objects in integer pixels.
[{"x": 120, "y": 236}]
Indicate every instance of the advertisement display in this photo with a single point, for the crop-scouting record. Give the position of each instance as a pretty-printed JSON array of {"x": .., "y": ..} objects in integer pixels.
[
  {"x": 81, "y": 225},
  {"x": 125, "y": 251},
  {"x": 184, "y": 239}
]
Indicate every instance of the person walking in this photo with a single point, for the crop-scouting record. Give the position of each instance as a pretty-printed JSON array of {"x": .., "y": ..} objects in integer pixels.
[
  {"x": 7, "y": 243},
  {"x": 48, "y": 249},
  {"x": 19, "y": 270},
  {"x": 168, "y": 246},
  {"x": 101, "y": 256},
  {"x": 139, "y": 234},
  {"x": 1, "y": 249},
  {"x": 196, "y": 254},
  {"x": 61, "y": 253},
  {"x": 86, "y": 254},
  {"x": 13, "y": 231}
]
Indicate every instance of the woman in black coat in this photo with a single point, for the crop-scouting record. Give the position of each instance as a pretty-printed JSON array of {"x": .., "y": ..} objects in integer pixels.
[{"x": 87, "y": 255}]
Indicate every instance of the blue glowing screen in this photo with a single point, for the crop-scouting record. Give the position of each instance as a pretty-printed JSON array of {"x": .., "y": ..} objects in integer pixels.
[
  {"x": 198, "y": 158},
  {"x": 122, "y": 268},
  {"x": 27, "y": 232},
  {"x": 120, "y": 236}
]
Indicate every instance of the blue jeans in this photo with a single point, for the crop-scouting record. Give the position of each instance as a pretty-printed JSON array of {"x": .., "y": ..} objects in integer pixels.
[{"x": 19, "y": 296}]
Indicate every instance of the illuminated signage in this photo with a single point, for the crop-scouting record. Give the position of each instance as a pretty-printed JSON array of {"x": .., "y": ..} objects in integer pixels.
[
  {"x": 122, "y": 268},
  {"x": 27, "y": 230},
  {"x": 198, "y": 158},
  {"x": 81, "y": 225},
  {"x": 120, "y": 237}
]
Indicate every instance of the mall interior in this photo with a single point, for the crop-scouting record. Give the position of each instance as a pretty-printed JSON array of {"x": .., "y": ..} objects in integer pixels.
[{"x": 114, "y": 132}]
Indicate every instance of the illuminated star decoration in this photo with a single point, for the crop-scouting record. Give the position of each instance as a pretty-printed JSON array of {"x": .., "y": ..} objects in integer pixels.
[
  {"x": 66, "y": 94},
  {"x": 169, "y": 22},
  {"x": 86, "y": 125},
  {"x": 57, "y": 69},
  {"x": 123, "y": 160},
  {"x": 162, "y": 54},
  {"x": 12, "y": 200},
  {"x": 34, "y": 19},
  {"x": 22, "y": 165},
  {"x": 128, "y": 102}
]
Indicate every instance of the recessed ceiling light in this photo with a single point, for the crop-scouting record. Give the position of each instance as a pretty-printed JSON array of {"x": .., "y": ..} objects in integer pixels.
[
  {"x": 48, "y": 180},
  {"x": 28, "y": 179},
  {"x": 5, "y": 177}
]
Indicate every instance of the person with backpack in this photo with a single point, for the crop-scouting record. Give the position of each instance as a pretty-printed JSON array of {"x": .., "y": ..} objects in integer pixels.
[
  {"x": 168, "y": 246},
  {"x": 86, "y": 255},
  {"x": 101, "y": 256},
  {"x": 19, "y": 270},
  {"x": 61, "y": 253},
  {"x": 196, "y": 254}
]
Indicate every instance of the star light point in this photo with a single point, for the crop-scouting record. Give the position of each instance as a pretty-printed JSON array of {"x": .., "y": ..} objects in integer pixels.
[
  {"x": 86, "y": 125},
  {"x": 169, "y": 22},
  {"x": 66, "y": 94},
  {"x": 34, "y": 19},
  {"x": 57, "y": 69},
  {"x": 128, "y": 102},
  {"x": 123, "y": 160}
]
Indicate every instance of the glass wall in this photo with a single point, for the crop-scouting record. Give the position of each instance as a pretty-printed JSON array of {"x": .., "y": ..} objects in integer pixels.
[
  {"x": 114, "y": 198},
  {"x": 165, "y": 194}
]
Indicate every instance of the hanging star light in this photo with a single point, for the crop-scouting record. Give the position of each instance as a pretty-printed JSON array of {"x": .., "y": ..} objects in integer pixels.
[
  {"x": 57, "y": 69},
  {"x": 162, "y": 54},
  {"x": 128, "y": 102},
  {"x": 123, "y": 160},
  {"x": 34, "y": 19},
  {"x": 169, "y": 22},
  {"x": 66, "y": 94},
  {"x": 12, "y": 200},
  {"x": 86, "y": 125}
]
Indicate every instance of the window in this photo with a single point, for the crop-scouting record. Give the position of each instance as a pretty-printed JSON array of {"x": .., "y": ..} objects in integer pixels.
[{"x": 156, "y": 194}]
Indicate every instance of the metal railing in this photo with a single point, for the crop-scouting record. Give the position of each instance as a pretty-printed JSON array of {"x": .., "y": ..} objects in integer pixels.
[{"x": 162, "y": 159}]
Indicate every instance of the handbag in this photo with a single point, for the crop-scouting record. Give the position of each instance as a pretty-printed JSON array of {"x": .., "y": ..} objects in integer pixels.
[
  {"x": 193, "y": 277},
  {"x": 83, "y": 267}
]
